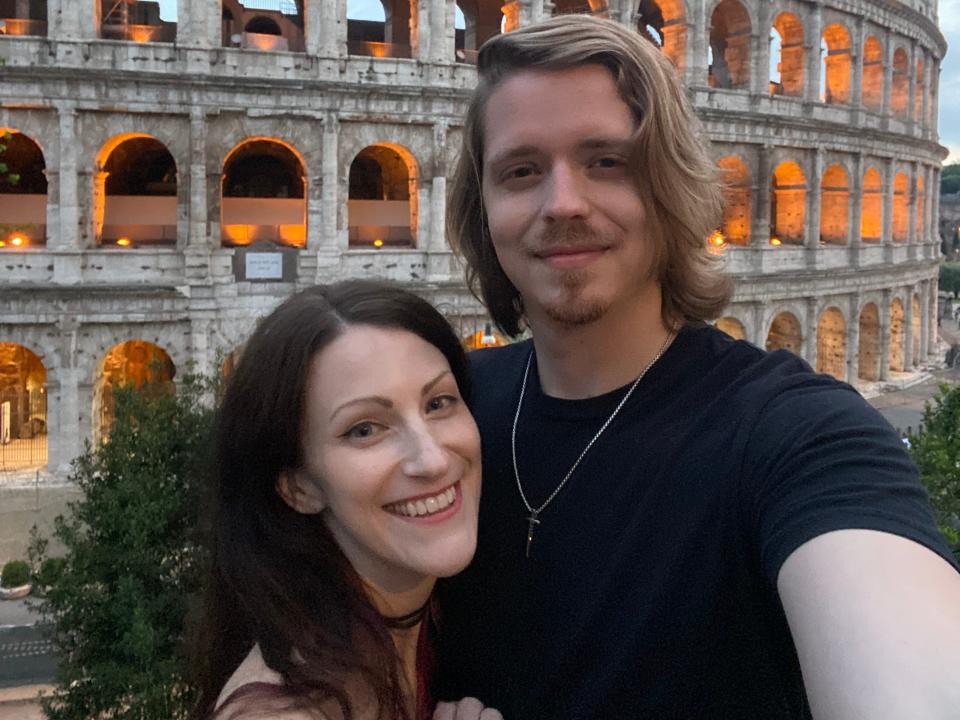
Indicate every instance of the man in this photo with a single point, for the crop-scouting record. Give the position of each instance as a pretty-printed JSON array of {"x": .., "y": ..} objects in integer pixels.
[{"x": 673, "y": 524}]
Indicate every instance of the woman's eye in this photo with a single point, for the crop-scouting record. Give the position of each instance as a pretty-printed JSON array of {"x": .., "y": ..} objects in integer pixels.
[
  {"x": 361, "y": 431},
  {"x": 441, "y": 402}
]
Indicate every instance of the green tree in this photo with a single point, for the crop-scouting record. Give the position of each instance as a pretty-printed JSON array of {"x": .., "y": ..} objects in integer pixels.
[
  {"x": 950, "y": 179},
  {"x": 5, "y": 174},
  {"x": 116, "y": 612},
  {"x": 950, "y": 278},
  {"x": 936, "y": 450}
]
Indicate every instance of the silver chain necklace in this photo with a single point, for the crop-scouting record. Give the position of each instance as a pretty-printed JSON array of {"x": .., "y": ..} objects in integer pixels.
[{"x": 533, "y": 519}]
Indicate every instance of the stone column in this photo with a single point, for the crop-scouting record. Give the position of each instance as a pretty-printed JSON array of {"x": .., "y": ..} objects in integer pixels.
[
  {"x": 66, "y": 241},
  {"x": 762, "y": 179},
  {"x": 197, "y": 236},
  {"x": 912, "y": 94},
  {"x": 853, "y": 340},
  {"x": 327, "y": 28},
  {"x": 856, "y": 88},
  {"x": 330, "y": 240},
  {"x": 760, "y": 60},
  {"x": 812, "y": 35},
  {"x": 934, "y": 90},
  {"x": 886, "y": 108},
  {"x": 912, "y": 205},
  {"x": 925, "y": 96},
  {"x": 442, "y": 31},
  {"x": 698, "y": 34},
  {"x": 924, "y": 291},
  {"x": 908, "y": 330},
  {"x": 885, "y": 335},
  {"x": 198, "y": 23},
  {"x": 855, "y": 215},
  {"x": 66, "y": 415},
  {"x": 887, "y": 226},
  {"x": 934, "y": 194},
  {"x": 814, "y": 190},
  {"x": 71, "y": 20},
  {"x": 810, "y": 333},
  {"x": 521, "y": 13},
  {"x": 438, "y": 189},
  {"x": 933, "y": 312}
]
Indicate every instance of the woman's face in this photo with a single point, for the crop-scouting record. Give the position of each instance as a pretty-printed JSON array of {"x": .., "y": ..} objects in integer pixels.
[{"x": 392, "y": 456}]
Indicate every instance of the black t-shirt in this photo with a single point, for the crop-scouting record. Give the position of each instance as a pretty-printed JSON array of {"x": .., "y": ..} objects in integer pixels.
[{"x": 651, "y": 587}]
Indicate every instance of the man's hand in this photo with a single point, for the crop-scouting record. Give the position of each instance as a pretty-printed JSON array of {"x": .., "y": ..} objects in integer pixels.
[
  {"x": 876, "y": 622},
  {"x": 466, "y": 709}
]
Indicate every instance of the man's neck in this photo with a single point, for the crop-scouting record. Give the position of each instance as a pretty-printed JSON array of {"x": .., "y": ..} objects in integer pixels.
[{"x": 583, "y": 361}]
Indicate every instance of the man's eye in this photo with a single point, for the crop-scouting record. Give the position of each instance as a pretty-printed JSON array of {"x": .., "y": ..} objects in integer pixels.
[
  {"x": 521, "y": 172},
  {"x": 610, "y": 162}
]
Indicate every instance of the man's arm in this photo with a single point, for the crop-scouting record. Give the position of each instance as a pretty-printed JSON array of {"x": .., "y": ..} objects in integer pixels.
[{"x": 876, "y": 621}]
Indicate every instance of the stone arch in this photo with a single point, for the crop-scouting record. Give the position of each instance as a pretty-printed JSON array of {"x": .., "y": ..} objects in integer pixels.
[
  {"x": 134, "y": 21},
  {"x": 383, "y": 189},
  {"x": 664, "y": 23},
  {"x": 737, "y": 200},
  {"x": 871, "y": 218},
  {"x": 482, "y": 19},
  {"x": 732, "y": 327},
  {"x": 393, "y": 34},
  {"x": 729, "y": 47},
  {"x": 791, "y": 62},
  {"x": 263, "y": 194},
  {"x": 145, "y": 366},
  {"x": 785, "y": 334},
  {"x": 23, "y": 204},
  {"x": 25, "y": 18},
  {"x": 868, "y": 363},
  {"x": 916, "y": 322},
  {"x": 872, "y": 91},
  {"x": 837, "y": 65},
  {"x": 23, "y": 408},
  {"x": 592, "y": 7},
  {"x": 832, "y": 343},
  {"x": 897, "y": 336},
  {"x": 900, "y": 90},
  {"x": 788, "y": 204},
  {"x": 276, "y": 29},
  {"x": 901, "y": 207},
  {"x": 835, "y": 206},
  {"x": 135, "y": 192}
]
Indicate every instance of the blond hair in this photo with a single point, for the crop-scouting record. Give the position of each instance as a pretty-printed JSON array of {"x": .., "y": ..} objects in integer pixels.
[{"x": 678, "y": 182}]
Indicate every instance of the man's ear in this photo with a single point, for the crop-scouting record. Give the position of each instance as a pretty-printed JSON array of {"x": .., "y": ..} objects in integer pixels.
[{"x": 300, "y": 492}]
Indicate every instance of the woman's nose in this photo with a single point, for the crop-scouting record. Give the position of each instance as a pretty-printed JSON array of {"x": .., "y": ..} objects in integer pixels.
[{"x": 426, "y": 456}]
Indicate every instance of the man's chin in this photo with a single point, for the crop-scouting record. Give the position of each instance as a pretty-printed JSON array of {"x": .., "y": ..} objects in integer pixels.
[{"x": 575, "y": 313}]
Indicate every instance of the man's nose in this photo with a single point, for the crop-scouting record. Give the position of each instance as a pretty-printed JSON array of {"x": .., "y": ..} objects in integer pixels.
[
  {"x": 426, "y": 456},
  {"x": 566, "y": 193}
]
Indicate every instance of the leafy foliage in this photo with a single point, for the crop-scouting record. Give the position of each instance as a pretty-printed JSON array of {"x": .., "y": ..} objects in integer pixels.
[
  {"x": 15, "y": 573},
  {"x": 950, "y": 179},
  {"x": 936, "y": 450},
  {"x": 950, "y": 278},
  {"x": 132, "y": 562},
  {"x": 5, "y": 174}
]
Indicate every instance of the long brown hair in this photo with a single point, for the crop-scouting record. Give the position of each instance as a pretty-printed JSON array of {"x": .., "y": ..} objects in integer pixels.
[
  {"x": 678, "y": 182},
  {"x": 277, "y": 578}
]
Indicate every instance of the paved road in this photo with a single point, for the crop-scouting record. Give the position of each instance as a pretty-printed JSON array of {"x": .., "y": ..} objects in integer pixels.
[
  {"x": 25, "y": 657},
  {"x": 904, "y": 409}
]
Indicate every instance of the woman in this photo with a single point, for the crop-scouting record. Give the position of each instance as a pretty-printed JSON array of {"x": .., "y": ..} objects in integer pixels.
[{"x": 348, "y": 480}]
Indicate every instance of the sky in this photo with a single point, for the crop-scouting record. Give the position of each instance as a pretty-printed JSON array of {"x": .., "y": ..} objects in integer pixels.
[{"x": 949, "y": 75}]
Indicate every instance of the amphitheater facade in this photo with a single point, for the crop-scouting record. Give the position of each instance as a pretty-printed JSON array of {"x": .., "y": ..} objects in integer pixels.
[{"x": 176, "y": 180}]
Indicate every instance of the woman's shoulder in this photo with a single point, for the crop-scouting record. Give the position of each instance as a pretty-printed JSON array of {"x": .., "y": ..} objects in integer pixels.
[{"x": 253, "y": 671}]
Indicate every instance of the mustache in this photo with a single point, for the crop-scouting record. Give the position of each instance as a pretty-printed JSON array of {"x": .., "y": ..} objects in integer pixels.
[{"x": 566, "y": 234}]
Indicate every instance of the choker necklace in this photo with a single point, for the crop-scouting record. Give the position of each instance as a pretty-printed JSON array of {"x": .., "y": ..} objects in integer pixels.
[
  {"x": 405, "y": 622},
  {"x": 533, "y": 519}
]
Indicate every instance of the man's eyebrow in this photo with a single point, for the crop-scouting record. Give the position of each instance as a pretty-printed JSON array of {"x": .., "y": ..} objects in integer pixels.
[
  {"x": 385, "y": 402},
  {"x": 600, "y": 142}
]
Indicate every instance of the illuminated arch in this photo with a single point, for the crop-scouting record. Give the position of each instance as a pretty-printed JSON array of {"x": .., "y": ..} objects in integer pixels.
[
  {"x": 900, "y": 99},
  {"x": 835, "y": 206},
  {"x": 868, "y": 363},
  {"x": 382, "y": 208},
  {"x": 135, "y": 192},
  {"x": 785, "y": 334},
  {"x": 788, "y": 209},
  {"x": 897, "y": 336},
  {"x": 729, "y": 47},
  {"x": 871, "y": 217},
  {"x": 738, "y": 201},
  {"x": 23, "y": 408},
  {"x": 664, "y": 23},
  {"x": 143, "y": 365},
  {"x": 791, "y": 59},
  {"x": 23, "y": 204},
  {"x": 901, "y": 207},
  {"x": 264, "y": 194},
  {"x": 260, "y": 27},
  {"x": 832, "y": 343},
  {"x": 837, "y": 65},
  {"x": 872, "y": 92},
  {"x": 732, "y": 327}
]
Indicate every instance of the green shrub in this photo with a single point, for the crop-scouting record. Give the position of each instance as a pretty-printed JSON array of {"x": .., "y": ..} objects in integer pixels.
[
  {"x": 51, "y": 569},
  {"x": 15, "y": 573}
]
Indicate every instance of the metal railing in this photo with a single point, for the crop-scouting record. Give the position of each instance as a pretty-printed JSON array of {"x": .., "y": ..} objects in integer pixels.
[{"x": 23, "y": 429}]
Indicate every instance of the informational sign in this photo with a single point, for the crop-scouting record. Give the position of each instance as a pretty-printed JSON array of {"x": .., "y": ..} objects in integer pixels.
[{"x": 264, "y": 266}]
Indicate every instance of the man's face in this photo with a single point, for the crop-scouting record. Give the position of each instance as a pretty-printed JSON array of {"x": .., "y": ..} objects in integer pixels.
[{"x": 564, "y": 212}]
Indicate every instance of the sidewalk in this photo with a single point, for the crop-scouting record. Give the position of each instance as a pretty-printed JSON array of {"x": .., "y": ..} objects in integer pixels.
[
  {"x": 20, "y": 703},
  {"x": 16, "y": 613}
]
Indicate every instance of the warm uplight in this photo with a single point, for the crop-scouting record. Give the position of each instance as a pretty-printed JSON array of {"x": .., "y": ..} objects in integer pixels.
[
  {"x": 123, "y": 242},
  {"x": 775, "y": 241},
  {"x": 3, "y": 243},
  {"x": 18, "y": 240},
  {"x": 378, "y": 243},
  {"x": 717, "y": 239}
]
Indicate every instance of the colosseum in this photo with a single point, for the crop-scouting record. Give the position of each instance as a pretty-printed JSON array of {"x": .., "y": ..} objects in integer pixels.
[{"x": 177, "y": 178}]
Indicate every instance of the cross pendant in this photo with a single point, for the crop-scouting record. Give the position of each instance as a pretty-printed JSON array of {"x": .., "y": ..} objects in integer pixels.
[{"x": 531, "y": 523}]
